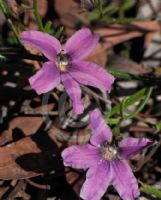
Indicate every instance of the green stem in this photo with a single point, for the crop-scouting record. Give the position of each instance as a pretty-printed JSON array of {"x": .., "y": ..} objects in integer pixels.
[
  {"x": 5, "y": 8},
  {"x": 14, "y": 30},
  {"x": 37, "y": 17},
  {"x": 121, "y": 14}
]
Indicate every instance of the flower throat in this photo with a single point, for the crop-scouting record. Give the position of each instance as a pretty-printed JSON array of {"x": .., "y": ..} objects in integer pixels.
[
  {"x": 108, "y": 151},
  {"x": 63, "y": 61}
]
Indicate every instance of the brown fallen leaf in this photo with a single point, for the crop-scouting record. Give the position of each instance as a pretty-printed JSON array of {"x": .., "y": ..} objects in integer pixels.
[
  {"x": 115, "y": 34},
  {"x": 30, "y": 156},
  {"x": 29, "y": 18},
  {"x": 99, "y": 55},
  {"x": 125, "y": 64},
  {"x": 9, "y": 169},
  {"x": 70, "y": 19},
  {"x": 24, "y": 125},
  {"x": 13, "y": 7}
]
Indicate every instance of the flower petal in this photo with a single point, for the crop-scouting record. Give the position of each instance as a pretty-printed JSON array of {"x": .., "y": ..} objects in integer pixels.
[
  {"x": 81, "y": 156},
  {"x": 46, "y": 43},
  {"x": 131, "y": 146},
  {"x": 97, "y": 181},
  {"x": 47, "y": 78},
  {"x": 124, "y": 180},
  {"x": 74, "y": 91},
  {"x": 91, "y": 74},
  {"x": 101, "y": 131},
  {"x": 81, "y": 44}
]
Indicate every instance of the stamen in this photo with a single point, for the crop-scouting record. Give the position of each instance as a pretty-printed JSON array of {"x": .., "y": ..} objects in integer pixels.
[
  {"x": 108, "y": 151},
  {"x": 63, "y": 61}
]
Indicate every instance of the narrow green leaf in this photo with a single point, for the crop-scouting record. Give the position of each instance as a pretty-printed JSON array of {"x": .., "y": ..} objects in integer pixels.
[
  {"x": 113, "y": 121},
  {"x": 121, "y": 74},
  {"x": 109, "y": 10},
  {"x": 37, "y": 17},
  {"x": 126, "y": 4},
  {"x": 5, "y": 8},
  {"x": 122, "y": 108},
  {"x": 100, "y": 6},
  {"x": 146, "y": 97},
  {"x": 158, "y": 126},
  {"x": 47, "y": 26},
  {"x": 151, "y": 190},
  {"x": 131, "y": 100},
  {"x": 59, "y": 32},
  {"x": 139, "y": 108},
  {"x": 2, "y": 58},
  {"x": 93, "y": 16}
]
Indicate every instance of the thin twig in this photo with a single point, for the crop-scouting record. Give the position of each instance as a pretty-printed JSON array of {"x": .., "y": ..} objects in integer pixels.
[
  {"x": 148, "y": 157},
  {"x": 14, "y": 191},
  {"x": 97, "y": 96},
  {"x": 37, "y": 185}
]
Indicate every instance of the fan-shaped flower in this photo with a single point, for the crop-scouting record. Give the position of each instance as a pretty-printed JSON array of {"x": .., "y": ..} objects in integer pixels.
[
  {"x": 66, "y": 65},
  {"x": 105, "y": 161}
]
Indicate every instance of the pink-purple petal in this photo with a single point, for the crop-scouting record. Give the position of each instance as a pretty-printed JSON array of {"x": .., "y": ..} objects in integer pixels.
[
  {"x": 123, "y": 180},
  {"x": 81, "y": 44},
  {"x": 81, "y": 157},
  {"x": 98, "y": 178},
  {"x": 91, "y": 74},
  {"x": 131, "y": 146},
  {"x": 101, "y": 132},
  {"x": 74, "y": 91},
  {"x": 44, "y": 42},
  {"x": 46, "y": 79}
]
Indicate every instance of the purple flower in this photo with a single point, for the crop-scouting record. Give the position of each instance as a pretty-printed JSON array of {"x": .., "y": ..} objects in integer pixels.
[
  {"x": 66, "y": 65},
  {"x": 106, "y": 162}
]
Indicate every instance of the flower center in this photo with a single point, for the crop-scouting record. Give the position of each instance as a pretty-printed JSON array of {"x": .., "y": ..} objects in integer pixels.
[
  {"x": 109, "y": 152},
  {"x": 63, "y": 61}
]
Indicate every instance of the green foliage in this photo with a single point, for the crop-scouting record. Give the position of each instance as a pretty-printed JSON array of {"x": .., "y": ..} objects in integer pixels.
[
  {"x": 37, "y": 17},
  {"x": 100, "y": 6},
  {"x": 2, "y": 58},
  {"x": 151, "y": 191},
  {"x": 58, "y": 33},
  {"x": 5, "y": 9},
  {"x": 158, "y": 126},
  {"x": 121, "y": 74},
  {"x": 116, "y": 132},
  {"x": 123, "y": 7},
  {"x": 48, "y": 28},
  {"x": 122, "y": 106},
  {"x": 113, "y": 121},
  {"x": 102, "y": 12},
  {"x": 141, "y": 106},
  {"x": 106, "y": 13}
]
